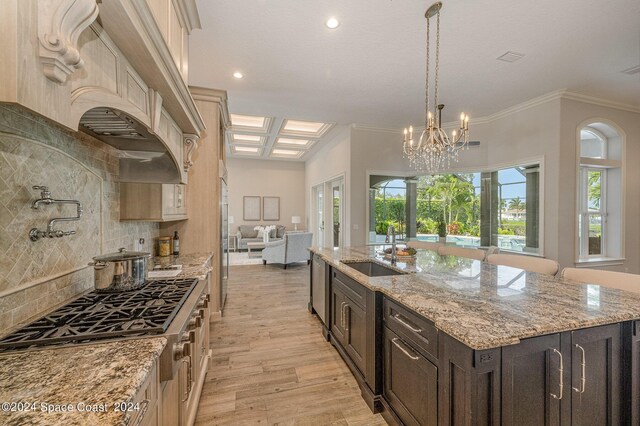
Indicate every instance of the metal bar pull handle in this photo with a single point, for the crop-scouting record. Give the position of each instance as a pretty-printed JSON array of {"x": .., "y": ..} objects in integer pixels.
[
  {"x": 405, "y": 322},
  {"x": 397, "y": 345},
  {"x": 347, "y": 311},
  {"x": 583, "y": 366},
  {"x": 145, "y": 406},
  {"x": 342, "y": 315},
  {"x": 561, "y": 372}
]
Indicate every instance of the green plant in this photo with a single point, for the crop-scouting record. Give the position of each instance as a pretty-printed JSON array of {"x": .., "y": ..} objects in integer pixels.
[
  {"x": 427, "y": 226},
  {"x": 442, "y": 228}
]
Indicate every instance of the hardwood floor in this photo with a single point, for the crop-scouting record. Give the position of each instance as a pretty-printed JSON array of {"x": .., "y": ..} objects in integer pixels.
[{"x": 270, "y": 364}]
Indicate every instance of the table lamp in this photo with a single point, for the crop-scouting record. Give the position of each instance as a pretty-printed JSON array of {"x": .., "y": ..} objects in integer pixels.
[{"x": 295, "y": 220}]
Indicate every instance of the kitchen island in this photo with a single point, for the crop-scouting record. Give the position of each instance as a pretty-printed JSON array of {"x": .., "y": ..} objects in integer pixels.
[{"x": 449, "y": 340}]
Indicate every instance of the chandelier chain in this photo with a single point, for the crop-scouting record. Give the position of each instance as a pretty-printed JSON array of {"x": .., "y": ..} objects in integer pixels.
[
  {"x": 434, "y": 150},
  {"x": 435, "y": 100},
  {"x": 426, "y": 100}
]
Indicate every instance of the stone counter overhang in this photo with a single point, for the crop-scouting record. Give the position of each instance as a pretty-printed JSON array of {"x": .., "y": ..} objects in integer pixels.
[
  {"x": 195, "y": 265},
  {"x": 486, "y": 306},
  {"x": 80, "y": 376}
]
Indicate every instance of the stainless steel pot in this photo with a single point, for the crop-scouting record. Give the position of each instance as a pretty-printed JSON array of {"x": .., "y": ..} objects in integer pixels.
[{"x": 121, "y": 271}]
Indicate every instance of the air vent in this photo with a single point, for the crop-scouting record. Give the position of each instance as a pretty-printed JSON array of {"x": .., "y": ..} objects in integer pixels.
[
  {"x": 106, "y": 122},
  {"x": 632, "y": 70},
  {"x": 510, "y": 57}
]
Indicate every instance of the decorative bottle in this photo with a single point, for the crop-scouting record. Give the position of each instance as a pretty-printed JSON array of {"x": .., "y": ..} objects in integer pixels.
[{"x": 176, "y": 244}]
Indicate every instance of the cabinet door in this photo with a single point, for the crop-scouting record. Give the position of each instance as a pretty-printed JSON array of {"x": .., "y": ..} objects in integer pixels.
[
  {"x": 596, "y": 391},
  {"x": 410, "y": 382},
  {"x": 532, "y": 383},
  {"x": 356, "y": 334},
  {"x": 318, "y": 287},
  {"x": 338, "y": 325},
  {"x": 180, "y": 199}
]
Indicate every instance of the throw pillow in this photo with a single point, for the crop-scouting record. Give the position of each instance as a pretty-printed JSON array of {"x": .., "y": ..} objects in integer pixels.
[
  {"x": 280, "y": 230},
  {"x": 272, "y": 233}
]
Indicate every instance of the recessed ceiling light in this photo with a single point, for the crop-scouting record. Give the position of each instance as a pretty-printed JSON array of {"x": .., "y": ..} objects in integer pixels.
[
  {"x": 304, "y": 129},
  {"x": 303, "y": 126},
  {"x": 245, "y": 149},
  {"x": 247, "y": 121},
  {"x": 289, "y": 141},
  {"x": 285, "y": 152},
  {"x": 238, "y": 74},
  {"x": 332, "y": 23},
  {"x": 247, "y": 138}
]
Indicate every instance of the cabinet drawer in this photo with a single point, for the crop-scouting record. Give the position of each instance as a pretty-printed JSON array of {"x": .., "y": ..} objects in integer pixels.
[
  {"x": 354, "y": 290},
  {"x": 410, "y": 382},
  {"x": 410, "y": 326}
]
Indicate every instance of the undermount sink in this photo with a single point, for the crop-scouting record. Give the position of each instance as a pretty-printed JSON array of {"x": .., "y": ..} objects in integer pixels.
[{"x": 372, "y": 269}]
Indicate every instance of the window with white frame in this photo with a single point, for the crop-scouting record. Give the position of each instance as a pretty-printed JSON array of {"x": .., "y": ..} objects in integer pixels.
[{"x": 600, "y": 216}]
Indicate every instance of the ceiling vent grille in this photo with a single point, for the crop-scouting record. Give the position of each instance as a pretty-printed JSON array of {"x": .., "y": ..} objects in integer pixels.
[
  {"x": 632, "y": 70},
  {"x": 510, "y": 56}
]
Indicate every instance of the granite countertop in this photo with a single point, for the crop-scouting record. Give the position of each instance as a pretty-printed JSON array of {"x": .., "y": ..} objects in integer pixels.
[
  {"x": 196, "y": 265},
  {"x": 83, "y": 376},
  {"x": 486, "y": 306}
]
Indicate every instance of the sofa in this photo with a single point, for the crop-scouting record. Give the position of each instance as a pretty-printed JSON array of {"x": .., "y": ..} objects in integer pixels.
[
  {"x": 247, "y": 234},
  {"x": 293, "y": 248}
]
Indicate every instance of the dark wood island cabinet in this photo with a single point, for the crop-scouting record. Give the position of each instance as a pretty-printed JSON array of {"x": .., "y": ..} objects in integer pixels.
[{"x": 417, "y": 373}]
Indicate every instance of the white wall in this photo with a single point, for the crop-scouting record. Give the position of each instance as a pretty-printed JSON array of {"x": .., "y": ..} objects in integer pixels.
[
  {"x": 332, "y": 160},
  {"x": 531, "y": 133},
  {"x": 544, "y": 130},
  {"x": 284, "y": 179}
]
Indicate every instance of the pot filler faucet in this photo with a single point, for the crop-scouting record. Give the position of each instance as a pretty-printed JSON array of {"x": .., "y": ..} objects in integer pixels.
[
  {"x": 45, "y": 198},
  {"x": 391, "y": 231}
]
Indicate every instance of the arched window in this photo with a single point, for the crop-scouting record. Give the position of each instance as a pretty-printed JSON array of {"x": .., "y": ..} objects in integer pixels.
[{"x": 600, "y": 216}]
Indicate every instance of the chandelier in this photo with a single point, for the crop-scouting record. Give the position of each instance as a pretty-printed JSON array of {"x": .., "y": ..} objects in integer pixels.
[{"x": 434, "y": 150}]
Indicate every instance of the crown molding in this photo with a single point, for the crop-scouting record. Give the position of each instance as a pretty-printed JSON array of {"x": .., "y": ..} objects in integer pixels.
[
  {"x": 359, "y": 126},
  {"x": 531, "y": 103},
  {"x": 581, "y": 97}
]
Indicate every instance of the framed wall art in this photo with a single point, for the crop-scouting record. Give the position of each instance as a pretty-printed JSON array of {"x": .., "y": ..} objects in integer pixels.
[
  {"x": 270, "y": 208},
  {"x": 251, "y": 208}
]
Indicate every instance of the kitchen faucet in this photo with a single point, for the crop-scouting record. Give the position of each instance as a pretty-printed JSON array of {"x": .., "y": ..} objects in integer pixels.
[
  {"x": 392, "y": 231},
  {"x": 45, "y": 198}
]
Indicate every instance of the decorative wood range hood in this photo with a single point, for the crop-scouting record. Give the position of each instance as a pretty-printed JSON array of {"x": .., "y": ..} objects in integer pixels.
[{"x": 116, "y": 69}]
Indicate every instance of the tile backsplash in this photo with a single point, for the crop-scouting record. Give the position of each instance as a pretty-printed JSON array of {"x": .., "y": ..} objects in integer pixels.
[{"x": 37, "y": 276}]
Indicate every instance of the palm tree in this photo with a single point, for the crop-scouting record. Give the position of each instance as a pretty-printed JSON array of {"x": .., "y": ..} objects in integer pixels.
[
  {"x": 455, "y": 192},
  {"x": 516, "y": 204}
]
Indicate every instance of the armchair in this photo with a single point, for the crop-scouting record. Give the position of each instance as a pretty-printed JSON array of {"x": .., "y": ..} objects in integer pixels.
[{"x": 293, "y": 248}]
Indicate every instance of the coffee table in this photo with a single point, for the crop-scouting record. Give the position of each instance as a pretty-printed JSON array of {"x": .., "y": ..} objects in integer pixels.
[{"x": 254, "y": 246}]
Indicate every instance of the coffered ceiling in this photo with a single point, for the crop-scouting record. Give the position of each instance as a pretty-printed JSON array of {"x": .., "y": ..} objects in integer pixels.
[{"x": 370, "y": 69}]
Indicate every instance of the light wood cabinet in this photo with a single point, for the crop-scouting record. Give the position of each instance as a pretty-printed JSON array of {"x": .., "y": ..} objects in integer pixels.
[
  {"x": 106, "y": 55},
  {"x": 147, "y": 401},
  {"x": 202, "y": 232},
  {"x": 153, "y": 202}
]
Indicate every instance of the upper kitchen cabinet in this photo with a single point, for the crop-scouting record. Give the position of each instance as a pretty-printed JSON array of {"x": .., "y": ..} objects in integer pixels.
[
  {"x": 115, "y": 69},
  {"x": 176, "y": 20}
]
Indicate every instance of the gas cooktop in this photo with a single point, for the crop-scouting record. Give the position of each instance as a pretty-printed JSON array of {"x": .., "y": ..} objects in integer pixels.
[{"x": 97, "y": 316}]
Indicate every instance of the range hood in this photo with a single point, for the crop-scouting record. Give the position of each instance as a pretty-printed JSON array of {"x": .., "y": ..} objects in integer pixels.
[{"x": 143, "y": 156}]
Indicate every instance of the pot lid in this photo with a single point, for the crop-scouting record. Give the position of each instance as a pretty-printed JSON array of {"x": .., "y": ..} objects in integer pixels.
[{"x": 121, "y": 254}]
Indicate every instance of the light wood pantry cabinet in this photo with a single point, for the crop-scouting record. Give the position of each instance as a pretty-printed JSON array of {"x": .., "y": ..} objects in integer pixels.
[
  {"x": 202, "y": 232},
  {"x": 153, "y": 202}
]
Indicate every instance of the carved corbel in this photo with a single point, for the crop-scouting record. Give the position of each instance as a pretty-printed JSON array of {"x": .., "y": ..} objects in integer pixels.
[
  {"x": 60, "y": 24},
  {"x": 191, "y": 145}
]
